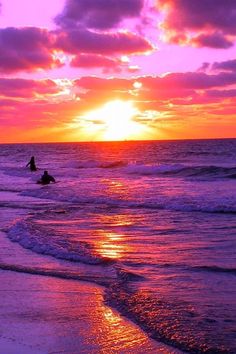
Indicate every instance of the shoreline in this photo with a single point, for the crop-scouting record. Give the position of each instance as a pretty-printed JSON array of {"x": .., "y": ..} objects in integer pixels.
[{"x": 41, "y": 314}]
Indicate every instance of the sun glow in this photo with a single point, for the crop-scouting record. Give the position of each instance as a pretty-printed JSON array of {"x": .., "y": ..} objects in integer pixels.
[{"x": 116, "y": 119}]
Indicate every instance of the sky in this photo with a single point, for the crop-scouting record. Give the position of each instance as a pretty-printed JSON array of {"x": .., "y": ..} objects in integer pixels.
[{"x": 98, "y": 70}]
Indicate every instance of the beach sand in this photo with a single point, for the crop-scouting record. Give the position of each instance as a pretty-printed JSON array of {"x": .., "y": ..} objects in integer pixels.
[{"x": 48, "y": 315}]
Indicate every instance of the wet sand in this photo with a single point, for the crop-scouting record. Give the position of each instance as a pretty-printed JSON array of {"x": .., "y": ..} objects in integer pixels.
[{"x": 48, "y": 315}]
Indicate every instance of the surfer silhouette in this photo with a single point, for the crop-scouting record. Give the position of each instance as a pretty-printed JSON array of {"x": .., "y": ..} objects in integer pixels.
[
  {"x": 32, "y": 165},
  {"x": 46, "y": 178}
]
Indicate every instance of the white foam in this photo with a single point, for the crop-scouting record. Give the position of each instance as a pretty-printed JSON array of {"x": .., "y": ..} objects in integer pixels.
[
  {"x": 31, "y": 238},
  {"x": 152, "y": 169}
]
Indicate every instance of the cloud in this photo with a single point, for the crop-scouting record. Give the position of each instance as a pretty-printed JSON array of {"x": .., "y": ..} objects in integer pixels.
[
  {"x": 88, "y": 30},
  {"x": 24, "y": 88},
  {"x": 37, "y": 113},
  {"x": 107, "y": 64},
  {"x": 82, "y": 40},
  {"x": 222, "y": 93},
  {"x": 204, "y": 67},
  {"x": 96, "y": 83},
  {"x": 27, "y": 48},
  {"x": 30, "y": 49},
  {"x": 160, "y": 95},
  {"x": 209, "y": 23},
  {"x": 89, "y": 61},
  {"x": 180, "y": 88},
  {"x": 175, "y": 85},
  {"x": 189, "y": 80},
  {"x": 223, "y": 66},
  {"x": 179, "y": 97},
  {"x": 98, "y": 14},
  {"x": 228, "y": 65},
  {"x": 213, "y": 40}
]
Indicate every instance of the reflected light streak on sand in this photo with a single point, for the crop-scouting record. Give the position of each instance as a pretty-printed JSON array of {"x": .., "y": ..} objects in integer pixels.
[{"x": 67, "y": 316}]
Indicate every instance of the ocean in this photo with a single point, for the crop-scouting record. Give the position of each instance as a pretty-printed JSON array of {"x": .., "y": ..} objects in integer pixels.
[{"x": 153, "y": 222}]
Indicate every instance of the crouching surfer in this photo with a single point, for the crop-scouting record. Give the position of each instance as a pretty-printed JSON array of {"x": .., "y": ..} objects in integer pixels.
[{"x": 46, "y": 178}]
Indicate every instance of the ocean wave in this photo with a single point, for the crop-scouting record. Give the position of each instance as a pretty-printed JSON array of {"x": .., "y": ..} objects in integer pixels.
[
  {"x": 149, "y": 170},
  {"x": 157, "y": 316},
  {"x": 232, "y": 176},
  {"x": 133, "y": 168},
  {"x": 94, "y": 164},
  {"x": 101, "y": 280},
  {"x": 184, "y": 203},
  {"x": 208, "y": 171},
  {"x": 216, "y": 269},
  {"x": 125, "y": 275},
  {"x": 9, "y": 189},
  {"x": 201, "y": 268},
  {"x": 41, "y": 241},
  {"x": 177, "y": 169},
  {"x": 183, "y": 171}
]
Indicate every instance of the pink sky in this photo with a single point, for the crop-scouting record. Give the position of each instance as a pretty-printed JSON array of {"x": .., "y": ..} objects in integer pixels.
[{"x": 175, "y": 60}]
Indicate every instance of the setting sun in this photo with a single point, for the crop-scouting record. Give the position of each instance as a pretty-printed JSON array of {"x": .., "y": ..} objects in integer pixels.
[{"x": 117, "y": 120}]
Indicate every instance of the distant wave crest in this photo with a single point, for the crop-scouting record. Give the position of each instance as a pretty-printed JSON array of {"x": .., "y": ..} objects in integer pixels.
[
  {"x": 159, "y": 169},
  {"x": 216, "y": 269},
  {"x": 184, "y": 171},
  {"x": 95, "y": 164}
]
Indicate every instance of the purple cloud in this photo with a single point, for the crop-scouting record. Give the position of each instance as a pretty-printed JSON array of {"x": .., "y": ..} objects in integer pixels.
[
  {"x": 88, "y": 61},
  {"x": 204, "y": 67},
  {"x": 214, "y": 21},
  {"x": 228, "y": 65},
  {"x": 98, "y": 14},
  {"x": 222, "y": 93},
  {"x": 189, "y": 80},
  {"x": 81, "y": 40},
  {"x": 213, "y": 40},
  {"x": 26, "y": 88},
  {"x": 30, "y": 48},
  {"x": 26, "y": 48}
]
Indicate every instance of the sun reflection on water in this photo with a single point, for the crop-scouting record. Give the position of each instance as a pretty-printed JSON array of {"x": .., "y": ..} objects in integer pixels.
[
  {"x": 110, "y": 246},
  {"x": 111, "y": 243}
]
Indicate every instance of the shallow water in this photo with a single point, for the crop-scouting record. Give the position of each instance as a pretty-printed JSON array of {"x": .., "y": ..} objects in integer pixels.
[{"x": 154, "y": 222}]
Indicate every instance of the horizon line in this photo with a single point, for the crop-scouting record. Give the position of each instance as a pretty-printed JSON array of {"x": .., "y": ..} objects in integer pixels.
[{"x": 114, "y": 141}]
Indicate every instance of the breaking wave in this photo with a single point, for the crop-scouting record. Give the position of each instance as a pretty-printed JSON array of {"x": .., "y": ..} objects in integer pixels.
[
  {"x": 157, "y": 316},
  {"x": 40, "y": 241},
  {"x": 185, "y": 203},
  {"x": 216, "y": 269},
  {"x": 95, "y": 164},
  {"x": 159, "y": 169},
  {"x": 184, "y": 171}
]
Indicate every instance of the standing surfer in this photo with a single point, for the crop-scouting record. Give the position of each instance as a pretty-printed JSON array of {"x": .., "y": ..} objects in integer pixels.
[{"x": 32, "y": 165}]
